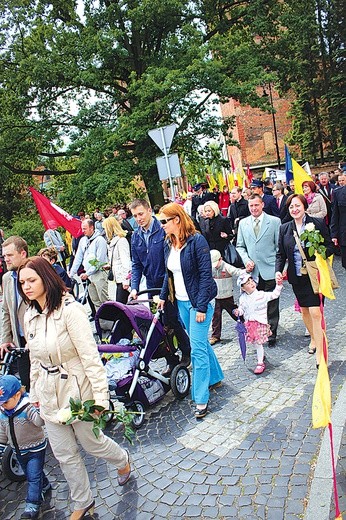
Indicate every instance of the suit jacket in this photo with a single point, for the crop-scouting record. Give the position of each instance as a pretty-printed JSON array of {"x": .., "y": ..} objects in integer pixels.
[
  {"x": 287, "y": 245},
  {"x": 338, "y": 223},
  {"x": 283, "y": 209},
  {"x": 11, "y": 316},
  {"x": 327, "y": 194},
  {"x": 261, "y": 249},
  {"x": 270, "y": 206}
]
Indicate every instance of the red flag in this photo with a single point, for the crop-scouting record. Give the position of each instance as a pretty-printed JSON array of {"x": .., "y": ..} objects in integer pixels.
[
  {"x": 249, "y": 174},
  {"x": 53, "y": 216},
  {"x": 232, "y": 165}
]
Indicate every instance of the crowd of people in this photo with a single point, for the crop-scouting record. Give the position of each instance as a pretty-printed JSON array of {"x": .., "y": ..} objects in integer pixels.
[{"x": 180, "y": 249}]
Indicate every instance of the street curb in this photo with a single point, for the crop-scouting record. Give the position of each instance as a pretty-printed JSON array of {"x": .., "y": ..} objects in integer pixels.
[{"x": 322, "y": 484}]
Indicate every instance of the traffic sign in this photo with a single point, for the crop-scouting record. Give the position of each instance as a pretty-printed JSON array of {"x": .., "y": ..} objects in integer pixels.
[
  {"x": 168, "y": 166},
  {"x": 163, "y": 136}
]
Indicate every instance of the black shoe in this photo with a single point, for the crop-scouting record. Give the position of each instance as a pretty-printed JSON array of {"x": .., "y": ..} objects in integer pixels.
[
  {"x": 31, "y": 511},
  {"x": 167, "y": 372},
  {"x": 199, "y": 414},
  {"x": 272, "y": 342}
]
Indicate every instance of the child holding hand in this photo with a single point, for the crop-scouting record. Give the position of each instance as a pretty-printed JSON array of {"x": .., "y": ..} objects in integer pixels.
[
  {"x": 22, "y": 426},
  {"x": 222, "y": 274},
  {"x": 253, "y": 306}
]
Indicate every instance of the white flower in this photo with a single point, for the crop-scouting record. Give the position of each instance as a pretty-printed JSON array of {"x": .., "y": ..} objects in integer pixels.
[
  {"x": 119, "y": 407},
  {"x": 64, "y": 415},
  {"x": 156, "y": 298},
  {"x": 310, "y": 226}
]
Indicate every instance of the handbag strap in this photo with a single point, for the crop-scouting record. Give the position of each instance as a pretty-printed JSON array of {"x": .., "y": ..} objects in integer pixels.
[
  {"x": 301, "y": 250},
  {"x": 12, "y": 430}
]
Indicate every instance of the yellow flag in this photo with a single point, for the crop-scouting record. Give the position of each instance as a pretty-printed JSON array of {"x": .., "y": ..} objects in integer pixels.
[
  {"x": 221, "y": 181},
  {"x": 230, "y": 178},
  {"x": 299, "y": 176},
  {"x": 321, "y": 399},
  {"x": 212, "y": 182},
  {"x": 240, "y": 180},
  {"x": 325, "y": 281}
]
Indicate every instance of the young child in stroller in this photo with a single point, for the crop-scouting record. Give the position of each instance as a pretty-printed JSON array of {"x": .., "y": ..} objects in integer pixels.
[{"x": 136, "y": 338}]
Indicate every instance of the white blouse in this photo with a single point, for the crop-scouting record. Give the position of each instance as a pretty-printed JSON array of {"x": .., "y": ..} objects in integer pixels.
[{"x": 174, "y": 265}]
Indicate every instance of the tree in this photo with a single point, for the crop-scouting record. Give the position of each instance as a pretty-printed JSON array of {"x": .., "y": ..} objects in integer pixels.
[
  {"x": 307, "y": 53},
  {"x": 88, "y": 86}
]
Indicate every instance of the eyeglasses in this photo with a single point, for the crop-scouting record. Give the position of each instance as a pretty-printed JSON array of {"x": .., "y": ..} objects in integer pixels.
[{"x": 164, "y": 221}]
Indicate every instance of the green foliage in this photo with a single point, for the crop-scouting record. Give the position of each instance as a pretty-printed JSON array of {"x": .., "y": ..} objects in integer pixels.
[
  {"x": 91, "y": 86},
  {"x": 314, "y": 241},
  {"x": 86, "y": 412},
  {"x": 30, "y": 227}
]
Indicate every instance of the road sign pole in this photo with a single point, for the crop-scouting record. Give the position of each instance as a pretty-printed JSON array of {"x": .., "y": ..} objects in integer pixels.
[{"x": 167, "y": 164}]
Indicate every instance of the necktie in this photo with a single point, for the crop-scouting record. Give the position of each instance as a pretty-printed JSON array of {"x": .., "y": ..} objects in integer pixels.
[
  {"x": 278, "y": 203},
  {"x": 256, "y": 227}
]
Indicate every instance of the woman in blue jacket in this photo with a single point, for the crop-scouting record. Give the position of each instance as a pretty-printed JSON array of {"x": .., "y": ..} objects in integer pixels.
[{"x": 189, "y": 282}]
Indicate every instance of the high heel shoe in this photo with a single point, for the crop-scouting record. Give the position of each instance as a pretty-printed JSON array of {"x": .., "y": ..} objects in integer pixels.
[
  {"x": 124, "y": 473},
  {"x": 80, "y": 513}
]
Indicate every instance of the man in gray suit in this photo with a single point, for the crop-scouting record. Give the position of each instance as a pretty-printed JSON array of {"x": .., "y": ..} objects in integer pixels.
[
  {"x": 257, "y": 244},
  {"x": 14, "y": 250}
]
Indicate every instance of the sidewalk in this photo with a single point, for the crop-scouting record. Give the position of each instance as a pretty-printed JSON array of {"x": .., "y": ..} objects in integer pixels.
[{"x": 254, "y": 456}]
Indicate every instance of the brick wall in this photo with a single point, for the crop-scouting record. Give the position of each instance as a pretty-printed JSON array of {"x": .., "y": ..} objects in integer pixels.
[{"x": 254, "y": 131}]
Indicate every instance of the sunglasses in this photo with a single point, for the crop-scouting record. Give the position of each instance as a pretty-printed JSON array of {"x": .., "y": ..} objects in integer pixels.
[{"x": 164, "y": 221}]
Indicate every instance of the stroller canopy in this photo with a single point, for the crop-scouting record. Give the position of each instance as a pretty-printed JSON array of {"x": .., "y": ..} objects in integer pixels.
[{"x": 132, "y": 317}]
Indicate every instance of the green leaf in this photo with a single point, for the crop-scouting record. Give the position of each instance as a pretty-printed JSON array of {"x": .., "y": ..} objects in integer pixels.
[{"x": 311, "y": 251}]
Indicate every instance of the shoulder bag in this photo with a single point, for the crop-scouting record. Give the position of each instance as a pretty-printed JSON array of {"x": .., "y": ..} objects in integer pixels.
[{"x": 310, "y": 268}]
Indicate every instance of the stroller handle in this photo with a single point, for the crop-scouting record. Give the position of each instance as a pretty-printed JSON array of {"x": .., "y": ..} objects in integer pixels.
[{"x": 153, "y": 291}]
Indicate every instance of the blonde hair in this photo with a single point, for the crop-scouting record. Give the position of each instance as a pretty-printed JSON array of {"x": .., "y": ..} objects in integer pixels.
[
  {"x": 113, "y": 228},
  {"x": 186, "y": 225},
  {"x": 213, "y": 206}
]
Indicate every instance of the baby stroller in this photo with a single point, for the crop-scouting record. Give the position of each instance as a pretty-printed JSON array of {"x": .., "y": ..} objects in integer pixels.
[
  {"x": 9, "y": 462},
  {"x": 135, "y": 338}
]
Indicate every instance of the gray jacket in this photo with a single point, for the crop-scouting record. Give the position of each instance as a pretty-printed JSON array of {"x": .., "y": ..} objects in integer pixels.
[{"x": 223, "y": 278}]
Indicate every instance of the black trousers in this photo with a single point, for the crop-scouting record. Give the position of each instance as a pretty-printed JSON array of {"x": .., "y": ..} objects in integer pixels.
[
  {"x": 171, "y": 321},
  {"x": 226, "y": 304},
  {"x": 273, "y": 306}
]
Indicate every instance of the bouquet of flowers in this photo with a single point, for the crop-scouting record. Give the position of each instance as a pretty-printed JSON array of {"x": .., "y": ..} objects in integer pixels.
[
  {"x": 314, "y": 240},
  {"x": 91, "y": 412}
]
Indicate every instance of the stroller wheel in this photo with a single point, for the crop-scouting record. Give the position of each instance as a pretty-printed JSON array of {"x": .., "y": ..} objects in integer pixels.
[
  {"x": 180, "y": 381},
  {"x": 138, "y": 418}
]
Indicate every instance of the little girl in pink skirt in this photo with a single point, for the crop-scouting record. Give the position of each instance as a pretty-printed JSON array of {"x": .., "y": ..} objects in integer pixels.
[{"x": 253, "y": 306}]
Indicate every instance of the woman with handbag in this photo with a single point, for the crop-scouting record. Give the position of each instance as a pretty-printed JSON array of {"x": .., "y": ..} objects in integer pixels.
[
  {"x": 119, "y": 258},
  {"x": 292, "y": 250},
  {"x": 215, "y": 228}
]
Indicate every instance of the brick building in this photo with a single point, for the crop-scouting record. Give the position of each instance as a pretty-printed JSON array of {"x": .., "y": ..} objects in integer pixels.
[{"x": 254, "y": 130}]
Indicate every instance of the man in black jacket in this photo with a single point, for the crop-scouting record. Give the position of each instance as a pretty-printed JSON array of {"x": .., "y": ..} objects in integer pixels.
[
  {"x": 238, "y": 209},
  {"x": 338, "y": 222}
]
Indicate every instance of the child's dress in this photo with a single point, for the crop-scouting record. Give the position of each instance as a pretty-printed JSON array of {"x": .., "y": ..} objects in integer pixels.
[{"x": 254, "y": 308}]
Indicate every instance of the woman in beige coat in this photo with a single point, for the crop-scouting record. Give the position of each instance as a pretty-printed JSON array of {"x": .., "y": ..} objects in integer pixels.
[
  {"x": 316, "y": 205},
  {"x": 65, "y": 363}
]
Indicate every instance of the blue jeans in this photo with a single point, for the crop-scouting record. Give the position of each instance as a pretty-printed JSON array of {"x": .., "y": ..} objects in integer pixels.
[
  {"x": 206, "y": 369},
  {"x": 32, "y": 464}
]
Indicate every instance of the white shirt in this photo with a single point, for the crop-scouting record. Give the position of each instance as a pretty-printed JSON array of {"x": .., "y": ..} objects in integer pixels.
[
  {"x": 174, "y": 265},
  {"x": 254, "y": 306}
]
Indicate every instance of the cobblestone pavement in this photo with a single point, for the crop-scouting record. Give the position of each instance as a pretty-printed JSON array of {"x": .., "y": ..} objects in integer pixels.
[{"x": 252, "y": 457}]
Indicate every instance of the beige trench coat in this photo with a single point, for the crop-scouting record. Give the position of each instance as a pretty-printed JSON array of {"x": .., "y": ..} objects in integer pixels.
[{"x": 64, "y": 343}]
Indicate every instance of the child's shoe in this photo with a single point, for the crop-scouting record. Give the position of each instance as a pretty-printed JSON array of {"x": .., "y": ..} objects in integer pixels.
[
  {"x": 31, "y": 511},
  {"x": 260, "y": 368}
]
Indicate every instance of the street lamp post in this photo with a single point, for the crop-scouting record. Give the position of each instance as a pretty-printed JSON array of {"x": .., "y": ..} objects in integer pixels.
[{"x": 274, "y": 123}]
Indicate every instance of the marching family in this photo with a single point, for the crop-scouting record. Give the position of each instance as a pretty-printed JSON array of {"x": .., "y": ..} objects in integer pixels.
[{"x": 180, "y": 248}]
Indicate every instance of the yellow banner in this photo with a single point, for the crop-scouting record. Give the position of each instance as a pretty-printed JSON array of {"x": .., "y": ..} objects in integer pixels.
[{"x": 299, "y": 176}]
